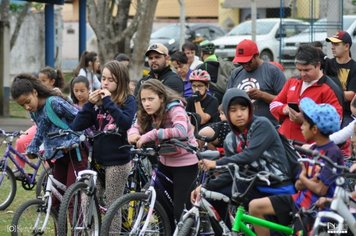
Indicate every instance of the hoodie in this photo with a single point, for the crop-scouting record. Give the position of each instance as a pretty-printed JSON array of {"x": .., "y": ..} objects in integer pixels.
[{"x": 257, "y": 148}]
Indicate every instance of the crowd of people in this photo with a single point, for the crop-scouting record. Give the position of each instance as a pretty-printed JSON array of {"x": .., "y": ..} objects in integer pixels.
[{"x": 248, "y": 102}]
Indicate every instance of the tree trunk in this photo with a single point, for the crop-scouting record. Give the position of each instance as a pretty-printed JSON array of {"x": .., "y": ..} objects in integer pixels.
[
  {"x": 142, "y": 38},
  {"x": 20, "y": 18}
]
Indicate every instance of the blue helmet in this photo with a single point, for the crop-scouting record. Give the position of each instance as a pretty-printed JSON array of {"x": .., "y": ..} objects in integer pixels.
[{"x": 323, "y": 115}]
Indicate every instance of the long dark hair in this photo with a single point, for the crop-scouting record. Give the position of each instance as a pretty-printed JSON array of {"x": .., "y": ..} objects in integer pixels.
[
  {"x": 27, "y": 83},
  {"x": 166, "y": 94},
  {"x": 55, "y": 74},
  {"x": 85, "y": 58}
]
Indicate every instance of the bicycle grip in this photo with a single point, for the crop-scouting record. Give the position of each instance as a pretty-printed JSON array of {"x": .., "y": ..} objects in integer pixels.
[
  {"x": 276, "y": 178},
  {"x": 308, "y": 152},
  {"x": 53, "y": 134}
]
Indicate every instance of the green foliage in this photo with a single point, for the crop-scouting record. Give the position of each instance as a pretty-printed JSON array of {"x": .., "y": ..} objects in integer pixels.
[{"x": 15, "y": 7}]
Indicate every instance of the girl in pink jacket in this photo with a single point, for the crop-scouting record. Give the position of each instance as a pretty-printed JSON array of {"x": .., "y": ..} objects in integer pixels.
[{"x": 161, "y": 115}]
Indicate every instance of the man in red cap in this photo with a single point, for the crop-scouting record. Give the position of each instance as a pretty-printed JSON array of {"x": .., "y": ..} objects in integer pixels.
[
  {"x": 261, "y": 80},
  {"x": 345, "y": 66}
]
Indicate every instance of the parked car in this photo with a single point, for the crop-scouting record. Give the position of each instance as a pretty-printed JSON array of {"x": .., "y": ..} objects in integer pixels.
[
  {"x": 169, "y": 35},
  {"x": 268, "y": 36},
  {"x": 317, "y": 32}
]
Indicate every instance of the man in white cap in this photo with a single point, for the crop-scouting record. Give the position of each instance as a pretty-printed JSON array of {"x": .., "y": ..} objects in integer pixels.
[
  {"x": 345, "y": 68},
  {"x": 261, "y": 80},
  {"x": 158, "y": 61}
]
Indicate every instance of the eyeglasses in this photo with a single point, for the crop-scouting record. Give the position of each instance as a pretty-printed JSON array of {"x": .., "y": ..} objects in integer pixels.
[{"x": 200, "y": 86}]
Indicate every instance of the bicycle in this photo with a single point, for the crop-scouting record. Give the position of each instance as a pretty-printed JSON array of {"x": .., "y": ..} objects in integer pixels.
[
  {"x": 339, "y": 216},
  {"x": 32, "y": 217},
  {"x": 80, "y": 210},
  {"x": 144, "y": 212},
  {"x": 7, "y": 178}
]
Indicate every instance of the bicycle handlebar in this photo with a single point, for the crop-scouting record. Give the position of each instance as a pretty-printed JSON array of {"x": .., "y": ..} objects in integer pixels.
[
  {"x": 316, "y": 155},
  {"x": 12, "y": 133},
  {"x": 82, "y": 135}
]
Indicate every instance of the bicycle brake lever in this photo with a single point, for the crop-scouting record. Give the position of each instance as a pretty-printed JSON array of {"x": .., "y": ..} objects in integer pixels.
[{"x": 264, "y": 178}]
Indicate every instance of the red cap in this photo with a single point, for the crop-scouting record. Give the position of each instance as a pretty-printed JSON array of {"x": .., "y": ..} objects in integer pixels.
[
  {"x": 245, "y": 50},
  {"x": 341, "y": 36}
]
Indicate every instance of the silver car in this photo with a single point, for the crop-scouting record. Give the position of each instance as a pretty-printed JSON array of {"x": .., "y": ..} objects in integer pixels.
[
  {"x": 268, "y": 36},
  {"x": 317, "y": 33}
]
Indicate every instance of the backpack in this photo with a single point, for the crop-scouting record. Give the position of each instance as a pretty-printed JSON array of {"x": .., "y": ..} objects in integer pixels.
[
  {"x": 53, "y": 117},
  {"x": 292, "y": 157}
]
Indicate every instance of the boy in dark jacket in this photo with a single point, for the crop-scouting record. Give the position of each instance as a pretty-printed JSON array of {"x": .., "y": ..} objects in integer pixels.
[
  {"x": 319, "y": 122},
  {"x": 254, "y": 145}
]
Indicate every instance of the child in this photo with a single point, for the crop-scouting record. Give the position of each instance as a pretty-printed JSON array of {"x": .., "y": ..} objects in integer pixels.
[
  {"x": 202, "y": 103},
  {"x": 222, "y": 128},
  {"x": 79, "y": 91},
  {"x": 318, "y": 123},
  {"x": 110, "y": 108},
  {"x": 161, "y": 115},
  {"x": 88, "y": 67},
  {"x": 53, "y": 80},
  {"x": 31, "y": 94},
  {"x": 254, "y": 145}
]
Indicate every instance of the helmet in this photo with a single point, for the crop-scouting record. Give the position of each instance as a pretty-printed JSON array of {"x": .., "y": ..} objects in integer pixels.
[
  {"x": 323, "y": 115},
  {"x": 207, "y": 47},
  {"x": 199, "y": 75}
]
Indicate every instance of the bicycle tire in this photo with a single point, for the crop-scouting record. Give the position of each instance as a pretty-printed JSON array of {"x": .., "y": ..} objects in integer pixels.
[
  {"x": 42, "y": 182},
  {"x": 7, "y": 179},
  {"x": 74, "y": 193},
  {"x": 187, "y": 228},
  {"x": 23, "y": 221},
  {"x": 139, "y": 199}
]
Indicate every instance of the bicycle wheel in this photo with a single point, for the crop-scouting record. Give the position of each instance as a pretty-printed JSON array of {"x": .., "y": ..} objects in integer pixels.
[
  {"x": 29, "y": 219},
  {"x": 42, "y": 182},
  {"x": 7, "y": 187},
  {"x": 123, "y": 214},
  {"x": 188, "y": 228},
  {"x": 79, "y": 212}
]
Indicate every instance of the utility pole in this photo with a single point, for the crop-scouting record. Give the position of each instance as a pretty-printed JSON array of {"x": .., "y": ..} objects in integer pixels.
[{"x": 4, "y": 67}]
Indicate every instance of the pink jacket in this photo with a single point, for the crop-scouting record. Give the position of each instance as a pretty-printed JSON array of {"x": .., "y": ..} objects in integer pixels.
[{"x": 176, "y": 125}]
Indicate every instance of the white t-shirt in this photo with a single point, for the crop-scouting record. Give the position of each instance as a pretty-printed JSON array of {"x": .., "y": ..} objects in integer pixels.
[{"x": 94, "y": 82}]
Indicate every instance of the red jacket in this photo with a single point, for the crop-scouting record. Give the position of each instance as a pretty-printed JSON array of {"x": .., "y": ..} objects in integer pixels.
[{"x": 323, "y": 91}]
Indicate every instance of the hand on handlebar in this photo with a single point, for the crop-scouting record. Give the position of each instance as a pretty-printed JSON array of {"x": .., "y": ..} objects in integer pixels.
[
  {"x": 195, "y": 194},
  {"x": 132, "y": 139},
  {"x": 207, "y": 164}
]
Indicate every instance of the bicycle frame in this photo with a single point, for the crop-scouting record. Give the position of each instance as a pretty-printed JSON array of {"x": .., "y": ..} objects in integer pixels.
[
  {"x": 152, "y": 195},
  {"x": 241, "y": 218},
  {"x": 51, "y": 187},
  {"x": 339, "y": 210},
  {"x": 10, "y": 151}
]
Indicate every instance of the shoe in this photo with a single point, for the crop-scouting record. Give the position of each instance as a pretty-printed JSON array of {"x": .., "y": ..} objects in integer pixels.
[{"x": 18, "y": 175}]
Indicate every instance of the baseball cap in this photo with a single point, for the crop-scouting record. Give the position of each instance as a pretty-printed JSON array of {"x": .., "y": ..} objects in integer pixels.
[
  {"x": 245, "y": 50},
  {"x": 157, "y": 47},
  {"x": 341, "y": 36},
  {"x": 323, "y": 115}
]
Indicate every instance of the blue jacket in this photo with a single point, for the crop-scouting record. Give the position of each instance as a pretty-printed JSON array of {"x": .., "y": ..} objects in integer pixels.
[
  {"x": 66, "y": 112},
  {"x": 108, "y": 116}
]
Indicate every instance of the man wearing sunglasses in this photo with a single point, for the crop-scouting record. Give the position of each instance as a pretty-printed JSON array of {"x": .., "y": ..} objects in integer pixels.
[{"x": 261, "y": 80}]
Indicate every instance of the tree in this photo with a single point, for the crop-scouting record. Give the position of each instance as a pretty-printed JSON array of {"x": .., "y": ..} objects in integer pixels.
[
  {"x": 113, "y": 27},
  {"x": 20, "y": 11}
]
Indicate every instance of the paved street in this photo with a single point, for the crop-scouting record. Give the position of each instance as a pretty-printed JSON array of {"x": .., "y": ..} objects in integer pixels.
[{"x": 13, "y": 124}]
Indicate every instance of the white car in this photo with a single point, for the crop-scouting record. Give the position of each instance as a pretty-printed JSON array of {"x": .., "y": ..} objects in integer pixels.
[
  {"x": 268, "y": 36},
  {"x": 317, "y": 33}
]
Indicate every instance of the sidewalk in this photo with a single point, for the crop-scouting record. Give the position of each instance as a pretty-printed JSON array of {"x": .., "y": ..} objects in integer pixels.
[{"x": 15, "y": 124}]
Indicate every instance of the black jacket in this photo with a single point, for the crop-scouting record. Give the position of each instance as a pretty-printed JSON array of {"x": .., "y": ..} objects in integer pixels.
[{"x": 167, "y": 77}]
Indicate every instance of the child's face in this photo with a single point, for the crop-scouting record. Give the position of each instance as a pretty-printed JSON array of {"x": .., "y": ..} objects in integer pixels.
[
  {"x": 29, "y": 101},
  {"x": 199, "y": 86},
  {"x": 307, "y": 131},
  {"x": 49, "y": 83},
  {"x": 222, "y": 116},
  {"x": 150, "y": 100},
  {"x": 239, "y": 115},
  {"x": 81, "y": 92},
  {"x": 108, "y": 81}
]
